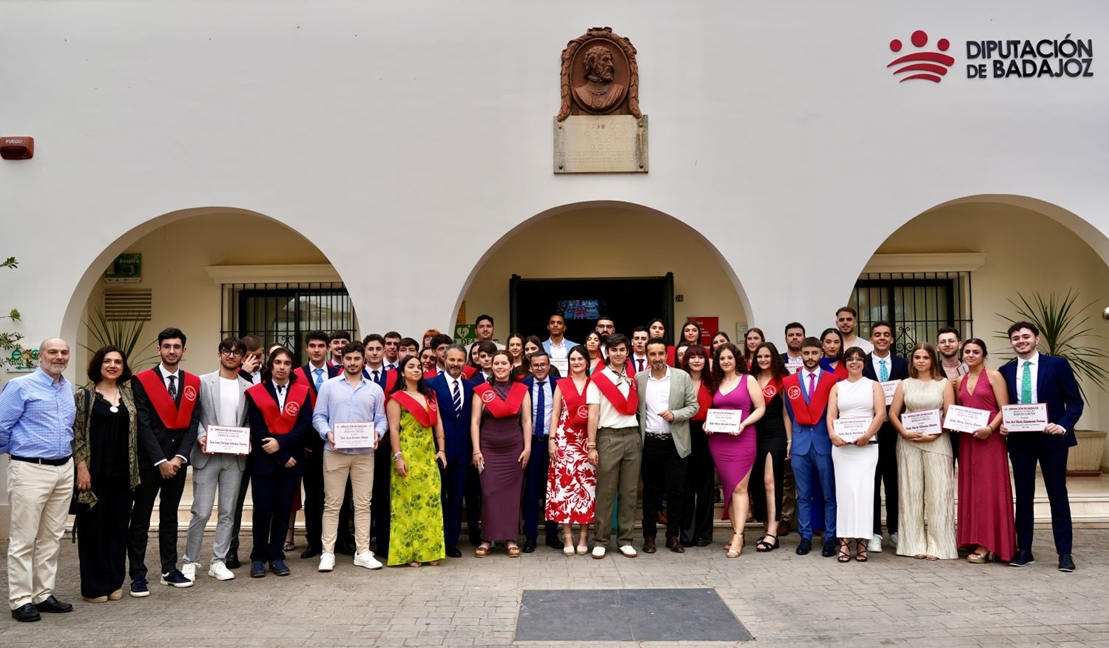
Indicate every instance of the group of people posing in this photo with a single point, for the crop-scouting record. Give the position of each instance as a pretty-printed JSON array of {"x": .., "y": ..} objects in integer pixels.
[{"x": 382, "y": 437}]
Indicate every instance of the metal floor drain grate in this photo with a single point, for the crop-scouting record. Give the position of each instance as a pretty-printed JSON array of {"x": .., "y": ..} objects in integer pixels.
[{"x": 627, "y": 615}]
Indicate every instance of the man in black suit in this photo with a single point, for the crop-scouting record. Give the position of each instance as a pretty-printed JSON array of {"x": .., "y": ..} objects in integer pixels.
[
  {"x": 168, "y": 415},
  {"x": 313, "y": 374},
  {"x": 460, "y": 480},
  {"x": 1034, "y": 377},
  {"x": 884, "y": 366}
]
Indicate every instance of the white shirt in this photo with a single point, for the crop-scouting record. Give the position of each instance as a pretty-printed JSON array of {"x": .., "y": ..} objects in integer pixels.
[
  {"x": 282, "y": 391},
  {"x": 608, "y": 417},
  {"x": 635, "y": 360},
  {"x": 794, "y": 364},
  {"x": 228, "y": 414},
  {"x": 862, "y": 343},
  {"x": 1035, "y": 360},
  {"x": 658, "y": 401},
  {"x": 560, "y": 350}
]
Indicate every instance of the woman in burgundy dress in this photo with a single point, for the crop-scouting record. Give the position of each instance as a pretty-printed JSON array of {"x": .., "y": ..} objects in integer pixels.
[
  {"x": 985, "y": 495},
  {"x": 571, "y": 479},
  {"x": 734, "y": 453},
  {"x": 500, "y": 429}
]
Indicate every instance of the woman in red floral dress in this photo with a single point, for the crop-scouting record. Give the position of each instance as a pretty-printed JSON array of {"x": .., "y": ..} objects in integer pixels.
[{"x": 572, "y": 480}]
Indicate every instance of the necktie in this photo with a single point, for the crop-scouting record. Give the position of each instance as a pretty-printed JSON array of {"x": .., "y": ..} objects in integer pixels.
[
  {"x": 377, "y": 375},
  {"x": 173, "y": 387},
  {"x": 883, "y": 371},
  {"x": 1026, "y": 383},
  {"x": 539, "y": 409},
  {"x": 319, "y": 378},
  {"x": 639, "y": 362},
  {"x": 812, "y": 384},
  {"x": 456, "y": 396}
]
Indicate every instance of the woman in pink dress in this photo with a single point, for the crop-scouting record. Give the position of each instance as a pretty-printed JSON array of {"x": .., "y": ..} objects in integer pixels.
[
  {"x": 571, "y": 479},
  {"x": 985, "y": 495},
  {"x": 734, "y": 453}
]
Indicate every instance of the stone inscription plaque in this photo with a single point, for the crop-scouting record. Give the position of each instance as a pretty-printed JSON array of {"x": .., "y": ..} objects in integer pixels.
[{"x": 600, "y": 144}]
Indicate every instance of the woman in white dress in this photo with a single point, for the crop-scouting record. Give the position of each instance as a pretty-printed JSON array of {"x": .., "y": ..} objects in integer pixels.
[
  {"x": 926, "y": 481},
  {"x": 855, "y": 397}
]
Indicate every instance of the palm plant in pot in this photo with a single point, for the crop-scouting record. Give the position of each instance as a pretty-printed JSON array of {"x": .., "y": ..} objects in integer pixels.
[{"x": 123, "y": 332}]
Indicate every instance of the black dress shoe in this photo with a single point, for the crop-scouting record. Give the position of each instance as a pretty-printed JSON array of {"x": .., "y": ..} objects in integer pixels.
[
  {"x": 1022, "y": 558},
  {"x": 829, "y": 549},
  {"x": 649, "y": 545},
  {"x": 554, "y": 543},
  {"x": 26, "y": 613},
  {"x": 702, "y": 542},
  {"x": 1066, "y": 563},
  {"x": 232, "y": 561},
  {"x": 673, "y": 544},
  {"x": 804, "y": 547},
  {"x": 454, "y": 552},
  {"x": 53, "y": 606},
  {"x": 279, "y": 567},
  {"x": 310, "y": 552},
  {"x": 529, "y": 545}
]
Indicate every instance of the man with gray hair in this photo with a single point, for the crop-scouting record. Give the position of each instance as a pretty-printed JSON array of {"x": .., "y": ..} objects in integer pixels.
[{"x": 36, "y": 428}]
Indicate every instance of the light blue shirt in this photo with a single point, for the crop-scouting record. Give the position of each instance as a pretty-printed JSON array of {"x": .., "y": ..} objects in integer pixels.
[
  {"x": 36, "y": 417},
  {"x": 339, "y": 402}
]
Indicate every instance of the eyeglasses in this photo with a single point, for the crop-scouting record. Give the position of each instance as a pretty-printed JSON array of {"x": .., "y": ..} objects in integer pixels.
[
  {"x": 233, "y": 354},
  {"x": 854, "y": 359}
]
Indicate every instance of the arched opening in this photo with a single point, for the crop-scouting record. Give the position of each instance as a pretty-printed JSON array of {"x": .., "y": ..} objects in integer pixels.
[
  {"x": 615, "y": 241},
  {"x": 962, "y": 263},
  {"x": 212, "y": 272}
]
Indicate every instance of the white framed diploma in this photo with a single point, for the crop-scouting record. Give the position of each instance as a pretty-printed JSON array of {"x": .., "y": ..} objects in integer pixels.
[
  {"x": 888, "y": 389},
  {"x": 926, "y": 422},
  {"x": 353, "y": 436},
  {"x": 1024, "y": 418},
  {"x": 850, "y": 429},
  {"x": 563, "y": 366},
  {"x": 723, "y": 421},
  {"x": 227, "y": 440},
  {"x": 966, "y": 419}
]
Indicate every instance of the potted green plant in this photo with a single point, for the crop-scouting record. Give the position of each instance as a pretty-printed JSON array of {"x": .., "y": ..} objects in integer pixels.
[
  {"x": 1064, "y": 332},
  {"x": 123, "y": 332}
]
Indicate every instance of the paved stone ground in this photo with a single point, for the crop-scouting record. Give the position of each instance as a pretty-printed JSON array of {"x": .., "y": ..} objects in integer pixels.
[{"x": 783, "y": 600}]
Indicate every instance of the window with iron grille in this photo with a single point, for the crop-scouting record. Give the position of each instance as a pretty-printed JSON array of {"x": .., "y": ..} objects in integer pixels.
[
  {"x": 917, "y": 304},
  {"x": 281, "y": 313}
]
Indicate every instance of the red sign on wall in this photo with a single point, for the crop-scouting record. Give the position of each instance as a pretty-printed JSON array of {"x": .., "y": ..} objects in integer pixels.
[{"x": 709, "y": 327}]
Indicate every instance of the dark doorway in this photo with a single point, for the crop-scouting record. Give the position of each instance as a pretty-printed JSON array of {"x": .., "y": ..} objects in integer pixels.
[{"x": 630, "y": 302}]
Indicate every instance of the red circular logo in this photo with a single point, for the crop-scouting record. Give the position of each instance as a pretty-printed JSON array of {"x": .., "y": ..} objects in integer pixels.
[
  {"x": 488, "y": 396},
  {"x": 292, "y": 408},
  {"x": 794, "y": 392},
  {"x": 432, "y": 406},
  {"x": 583, "y": 411},
  {"x": 190, "y": 393},
  {"x": 769, "y": 391}
]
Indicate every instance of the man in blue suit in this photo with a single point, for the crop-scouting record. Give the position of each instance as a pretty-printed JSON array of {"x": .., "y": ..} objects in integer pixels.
[
  {"x": 1037, "y": 378},
  {"x": 806, "y": 396},
  {"x": 541, "y": 388},
  {"x": 460, "y": 480},
  {"x": 883, "y": 365}
]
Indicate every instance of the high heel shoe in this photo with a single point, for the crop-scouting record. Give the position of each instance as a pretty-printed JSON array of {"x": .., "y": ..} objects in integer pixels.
[
  {"x": 567, "y": 544},
  {"x": 763, "y": 546},
  {"x": 733, "y": 553}
]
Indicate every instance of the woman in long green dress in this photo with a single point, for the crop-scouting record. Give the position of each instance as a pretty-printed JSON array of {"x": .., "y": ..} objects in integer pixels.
[{"x": 416, "y": 433}]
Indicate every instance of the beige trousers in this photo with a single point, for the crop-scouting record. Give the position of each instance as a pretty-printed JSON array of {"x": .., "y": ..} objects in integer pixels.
[
  {"x": 336, "y": 468},
  {"x": 39, "y": 497},
  {"x": 621, "y": 454}
]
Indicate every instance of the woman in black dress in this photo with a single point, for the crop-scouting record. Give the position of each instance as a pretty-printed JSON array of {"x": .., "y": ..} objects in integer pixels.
[{"x": 773, "y": 443}]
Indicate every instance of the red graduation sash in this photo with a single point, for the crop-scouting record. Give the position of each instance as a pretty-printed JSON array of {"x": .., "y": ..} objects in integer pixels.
[
  {"x": 468, "y": 371},
  {"x": 509, "y": 406},
  {"x": 280, "y": 421},
  {"x": 627, "y": 405},
  {"x": 772, "y": 388},
  {"x": 813, "y": 412},
  {"x": 574, "y": 402},
  {"x": 426, "y": 417},
  {"x": 173, "y": 417}
]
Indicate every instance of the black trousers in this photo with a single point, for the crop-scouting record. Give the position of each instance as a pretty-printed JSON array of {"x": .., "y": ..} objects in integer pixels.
[
  {"x": 663, "y": 472},
  {"x": 237, "y": 527},
  {"x": 102, "y": 537},
  {"x": 460, "y": 483},
  {"x": 700, "y": 487},
  {"x": 535, "y": 491},
  {"x": 886, "y": 473},
  {"x": 168, "y": 493},
  {"x": 313, "y": 497},
  {"x": 1025, "y": 449},
  {"x": 379, "y": 505},
  {"x": 272, "y": 495}
]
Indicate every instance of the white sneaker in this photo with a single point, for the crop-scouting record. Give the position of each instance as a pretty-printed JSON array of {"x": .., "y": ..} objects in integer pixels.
[
  {"x": 189, "y": 570},
  {"x": 628, "y": 551},
  {"x": 875, "y": 545},
  {"x": 327, "y": 562},
  {"x": 219, "y": 571},
  {"x": 598, "y": 552},
  {"x": 366, "y": 559},
  {"x": 893, "y": 539}
]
